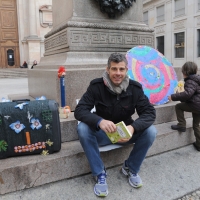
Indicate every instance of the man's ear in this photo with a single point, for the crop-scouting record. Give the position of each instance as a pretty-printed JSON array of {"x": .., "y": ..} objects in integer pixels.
[{"x": 107, "y": 70}]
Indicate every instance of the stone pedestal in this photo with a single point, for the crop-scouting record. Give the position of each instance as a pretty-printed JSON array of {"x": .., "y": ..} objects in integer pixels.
[{"x": 81, "y": 40}]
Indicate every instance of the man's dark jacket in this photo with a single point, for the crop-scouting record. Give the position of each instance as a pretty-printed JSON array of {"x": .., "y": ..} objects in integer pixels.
[
  {"x": 115, "y": 108},
  {"x": 191, "y": 95}
]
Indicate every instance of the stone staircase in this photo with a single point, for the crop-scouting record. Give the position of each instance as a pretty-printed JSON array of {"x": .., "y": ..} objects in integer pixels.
[
  {"x": 13, "y": 73},
  {"x": 20, "y": 173}
]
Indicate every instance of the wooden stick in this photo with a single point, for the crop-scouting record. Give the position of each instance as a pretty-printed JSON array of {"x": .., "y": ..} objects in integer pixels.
[{"x": 28, "y": 138}]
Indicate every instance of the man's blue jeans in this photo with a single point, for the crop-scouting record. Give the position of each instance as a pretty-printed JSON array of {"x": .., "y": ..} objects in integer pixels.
[{"x": 91, "y": 140}]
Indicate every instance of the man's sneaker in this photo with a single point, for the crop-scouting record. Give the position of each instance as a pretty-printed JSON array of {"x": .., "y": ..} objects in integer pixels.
[
  {"x": 101, "y": 187},
  {"x": 178, "y": 128},
  {"x": 134, "y": 179},
  {"x": 196, "y": 147}
]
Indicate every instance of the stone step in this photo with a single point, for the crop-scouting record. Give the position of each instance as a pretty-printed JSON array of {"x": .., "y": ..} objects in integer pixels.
[
  {"x": 13, "y": 73},
  {"x": 164, "y": 113},
  {"x": 167, "y": 176},
  {"x": 23, "y": 172},
  {"x": 13, "y": 76}
]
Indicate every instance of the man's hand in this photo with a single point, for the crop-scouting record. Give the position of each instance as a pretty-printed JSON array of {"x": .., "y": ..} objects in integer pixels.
[
  {"x": 110, "y": 127},
  {"x": 107, "y": 126},
  {"x": 131, "y": 130}
]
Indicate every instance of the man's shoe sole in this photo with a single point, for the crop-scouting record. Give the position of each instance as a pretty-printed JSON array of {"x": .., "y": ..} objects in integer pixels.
[{"x": 101, "y": 195}]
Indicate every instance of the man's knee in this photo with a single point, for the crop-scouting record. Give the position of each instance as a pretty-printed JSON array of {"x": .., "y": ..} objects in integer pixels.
[
  {"x": 83, "y": 130},
  {"x": 151, "y": 133}
]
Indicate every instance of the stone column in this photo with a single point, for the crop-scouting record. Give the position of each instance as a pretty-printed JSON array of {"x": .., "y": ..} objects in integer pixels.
[
  {"x": 32, "y": 19},
  {"x": 33, "y": 40}
]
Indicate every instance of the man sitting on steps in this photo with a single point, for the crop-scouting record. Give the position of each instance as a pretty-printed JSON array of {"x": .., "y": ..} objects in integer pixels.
[{"x": 115, "y": 98}]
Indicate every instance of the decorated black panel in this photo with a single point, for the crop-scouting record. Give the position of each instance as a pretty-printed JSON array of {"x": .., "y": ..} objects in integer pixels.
[{"x": 26, "y": 128}]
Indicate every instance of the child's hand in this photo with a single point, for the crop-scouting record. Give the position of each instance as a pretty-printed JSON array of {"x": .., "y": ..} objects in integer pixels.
[{"x": 169, "y": 98}]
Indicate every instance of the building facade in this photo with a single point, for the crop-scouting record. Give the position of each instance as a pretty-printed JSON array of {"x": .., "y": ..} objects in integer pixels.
[
  {"x": 177, "y": 28},
  {"x": 23, "y": 24}
]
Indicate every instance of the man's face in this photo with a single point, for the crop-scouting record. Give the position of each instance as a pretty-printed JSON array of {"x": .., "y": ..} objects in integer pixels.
[{"x": 117, "y": 72}]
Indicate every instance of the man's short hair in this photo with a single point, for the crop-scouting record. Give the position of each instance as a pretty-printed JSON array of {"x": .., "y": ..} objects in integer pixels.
[
  {"x": 117, "y": 57},
  {"x": 189, "y": 68}
]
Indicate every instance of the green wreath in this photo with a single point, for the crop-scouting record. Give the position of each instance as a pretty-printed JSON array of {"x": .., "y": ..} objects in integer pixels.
[{"x": 113, "y": 7}]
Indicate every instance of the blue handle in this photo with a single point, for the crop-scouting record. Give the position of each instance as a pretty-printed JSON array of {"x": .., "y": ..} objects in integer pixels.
[{"x": 62, "y": 90}]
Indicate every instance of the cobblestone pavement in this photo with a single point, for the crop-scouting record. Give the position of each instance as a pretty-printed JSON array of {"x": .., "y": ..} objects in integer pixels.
[{"x": 192, "y": 196}]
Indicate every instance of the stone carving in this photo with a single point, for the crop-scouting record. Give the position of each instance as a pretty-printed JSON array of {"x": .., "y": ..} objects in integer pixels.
[
  {"x": 160, "y": 29},
  {"x": 45, "y": 13},
  {"x": 56, "y": 41},
  {"x": 179, "y": 25},
  {"x": 100, "y": 26},
  {"x": 113, "y": 7},
  {"x": 87, "y": 39},
  {"x": 198, "y": 20}
]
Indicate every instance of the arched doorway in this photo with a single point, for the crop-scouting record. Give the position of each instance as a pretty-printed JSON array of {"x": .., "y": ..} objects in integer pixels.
[
  {"x": 9, "y": 40},
  {"x": 10, "y": 57}
]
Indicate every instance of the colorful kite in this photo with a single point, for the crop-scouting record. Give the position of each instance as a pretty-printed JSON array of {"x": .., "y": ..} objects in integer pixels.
[{"x": 156, "y": 74}]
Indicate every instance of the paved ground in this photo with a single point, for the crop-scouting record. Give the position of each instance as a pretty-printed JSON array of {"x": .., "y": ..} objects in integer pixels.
[
  {"x": 13, "y": 86},
  {"x": 167, "y": 176}
]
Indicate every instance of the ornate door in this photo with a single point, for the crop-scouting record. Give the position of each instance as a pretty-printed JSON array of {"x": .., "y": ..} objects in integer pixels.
[{"x": 9, "y": 40}]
